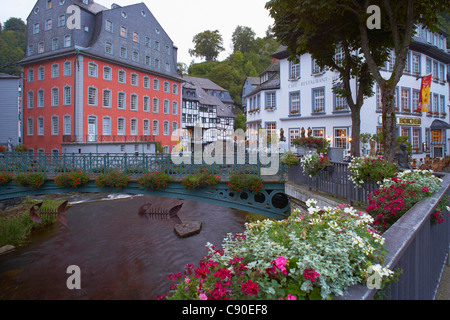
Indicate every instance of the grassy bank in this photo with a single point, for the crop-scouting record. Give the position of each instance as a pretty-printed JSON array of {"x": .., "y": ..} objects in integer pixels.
[{"x": 16, "y": 224}]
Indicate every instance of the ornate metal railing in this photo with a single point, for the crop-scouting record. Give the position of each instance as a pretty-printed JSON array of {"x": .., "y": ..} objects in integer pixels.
[{"x": 136, "y": 164}]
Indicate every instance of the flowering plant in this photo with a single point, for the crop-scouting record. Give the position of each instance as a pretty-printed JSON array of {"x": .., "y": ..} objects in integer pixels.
[
  {"x": 240, "y": 182},
  {"x": 154, "y": 181},
  {"x": 20, "y": 148},
  {"x": 313, "y": 163},
  {"x": 5, "y": 178},
  {"x": 72, "y": 180},
  {"x": 287, "y": 260},
  {"x": 320, "y": 144},
  {"x": 399, "y": 194},
  {"x": 199, "y": 180},
  {"x": 31, "y": 180},
  {"x": 112, "y": 179},
  {"x": 2, "y": 149},
  {"x": 289, "y": 159},
  {"x": 369, "y": 168}
]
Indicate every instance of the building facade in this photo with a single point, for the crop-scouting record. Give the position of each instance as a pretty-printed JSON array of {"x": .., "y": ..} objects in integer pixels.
[
  {"x": 99, "y": 79},
  {"x": 305, "y": 100},
  {"x": 11, "y": 110},
  {"x": 209, "y": 107}
]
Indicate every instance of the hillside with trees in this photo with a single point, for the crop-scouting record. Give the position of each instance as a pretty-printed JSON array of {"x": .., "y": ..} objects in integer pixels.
[
  {"x": 12, "y": 45},
  {"x": 250, "y": 57}
]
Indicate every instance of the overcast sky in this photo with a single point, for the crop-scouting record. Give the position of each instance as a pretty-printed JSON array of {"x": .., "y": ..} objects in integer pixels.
[{"x": 181, "y": 19}]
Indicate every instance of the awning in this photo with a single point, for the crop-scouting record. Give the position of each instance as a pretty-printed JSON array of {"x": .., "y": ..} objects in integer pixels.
[{"x": 439, "y": 124}]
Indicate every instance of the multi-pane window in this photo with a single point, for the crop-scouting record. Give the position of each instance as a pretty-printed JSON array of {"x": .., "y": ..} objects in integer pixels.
[
  {"x": 339, "y": 55},
  {"x": 106, "y": 126},
  {"x": 391, "y": 60},
  {"x": 29, "y": 126},
  {"x": 294, "y": 69},
  {"x": 416, "y": 133},
  {"x": 294, "y": 134},
  {"x": 55, "y": 97},
  {"x": 48, "y": 24},
  {"x": 271, "y": 100},
  {"x": 133, "y": 127},
  {"x": 148, "y": 42},
  {"x": 107, "y": 98},
  {"x": 146, "y": 82},
  {"x": 41, "y": 73},
  {"x": 441, "y": 72},
  {"x": 135, "y": 37},
  {"x": 134, "y": 79},
  {"x": 123, "y": 52},
  {"x": 92, "y": 70},
  {"x": 109, "y": 48},
  {"x": 175, "y": 108},
  {"x": 121, "y": 101},
  {"x": 67, "y": 125},
  {"x": 61, "y": 21},
  {"x": 166, "y": 86},
  {"x": 415, "y": 64},
  {"x": 55, "y": 70},
  {"x": 406, "y": 100},
  {"x": 146, "y": 127},
  {"x": 30, "y": 50},
  {"x": 340, "y": 103},
  {"x": 123, "y": 32},
  {"x": 134, "y": 102},
  {"x": 318, "y": 100},
  {"x": 135, "y": 56},
  {"x": 148, "y": 60},
  {"x": 294, "y": 102},
  {"x": 92, "y": 96},
  {"x": 67, "y": 41},
  {"x": 40, "y": 98},
  {"x": 30, "y": 99},
  {"x": 30, "y": 75},
  {"x": 55, "y": 125},
  {"x": 155, "y": 84},
  {"x": 146, "y": 104},
  {"x": 442, "y": 104},
  {"x": 435, "y": 70},
  {"x": 340, "y": 138},
  {"x": 174, "y": 127},
  {"x": 428, "y": 66},
  {"x": 108, "y": 26},
  {"x": 36, "y": 28},
  {"x": 40, "y": 47},
  {"x": 40, "y": 126},
  {"x": 55, "y": 44},
  {"x": 122, "y": 76},
  {"x": 107, "y": 73},
  {"x": 155, "y": 105},
  {"x": 121, "y": 126},
  {"x": 155, "y": 128},
  {"x": 166, "y": 107},
  {"x": 316, "y": 69},
  {"x": 415, "y": 99},
  {"x": 318, "y": 132},
  {"x": 166, "y": 128},
  {"x": 67, "y": 68},
  {"x": 175, "y": 89}
]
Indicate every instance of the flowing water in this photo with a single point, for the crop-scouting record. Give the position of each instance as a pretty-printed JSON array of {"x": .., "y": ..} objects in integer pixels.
[{"x": 120, "y": 255}]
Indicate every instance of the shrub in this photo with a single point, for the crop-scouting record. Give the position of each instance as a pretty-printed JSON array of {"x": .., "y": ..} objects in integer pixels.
[
  {"x": 320, "y": 144},
  {"x": 2, "y": 149},
  {"x": 242, "y": 182},
  {"x": 20, "y": 148},
  {"x": 368, "y": 168},
  {"x": 71, "y": 180},
  {"x": 112, "y": 179},
  {"x": 308, "y": 256},
  {"x": 30, "y": 180},
  {"x": 5, "y": 178},
  {"x": 154, "y": 181},
  {"x": 200, "y": 180},
  {"x": 313, "y": 163},
  {"x": 289, "y": 159}
]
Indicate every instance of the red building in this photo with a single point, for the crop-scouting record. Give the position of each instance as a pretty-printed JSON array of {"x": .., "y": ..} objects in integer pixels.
[{"x": 108, "y": 85}]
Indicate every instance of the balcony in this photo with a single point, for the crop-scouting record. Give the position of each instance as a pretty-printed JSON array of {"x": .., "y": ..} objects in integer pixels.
[{"x": 106, "y": 139}]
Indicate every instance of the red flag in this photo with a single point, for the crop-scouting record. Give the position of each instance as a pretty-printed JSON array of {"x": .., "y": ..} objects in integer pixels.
[{"x": 424, "y": 99}]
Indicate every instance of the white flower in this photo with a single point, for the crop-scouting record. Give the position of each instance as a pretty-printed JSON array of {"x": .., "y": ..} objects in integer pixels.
[{"x": 311, "y": 203}]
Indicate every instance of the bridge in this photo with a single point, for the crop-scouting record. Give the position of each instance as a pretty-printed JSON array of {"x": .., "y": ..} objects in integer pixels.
[{"x": 271, "y": 202}]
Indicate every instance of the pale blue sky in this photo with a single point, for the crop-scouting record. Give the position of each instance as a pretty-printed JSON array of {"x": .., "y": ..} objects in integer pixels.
[{"x": 181, "y": 19}]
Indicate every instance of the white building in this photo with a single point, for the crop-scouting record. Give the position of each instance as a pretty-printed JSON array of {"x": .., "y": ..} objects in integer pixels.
[{"x": 293, "y": 96}]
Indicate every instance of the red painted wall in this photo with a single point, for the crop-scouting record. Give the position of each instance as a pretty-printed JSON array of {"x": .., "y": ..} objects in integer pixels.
[{"x": 49, "y": 142}]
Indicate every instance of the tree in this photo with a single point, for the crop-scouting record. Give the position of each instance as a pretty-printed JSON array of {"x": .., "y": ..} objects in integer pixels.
[
  {"x": 243, "y": 39},
  {"x": 240, "y": 122},
  {"x": 321, "y": 33},
  {"x": 208, "y": 45}
]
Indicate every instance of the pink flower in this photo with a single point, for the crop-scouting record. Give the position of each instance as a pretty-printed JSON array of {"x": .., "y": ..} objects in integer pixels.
[
  {"x": 310, "y": 274},
  {"x": 425, "y": 189},
  {"x": 291, "y": 297},
  {"x": 187, "y": 280},
  {"x": 280, "y": 263},
  {"x": 202, "y": 296}
]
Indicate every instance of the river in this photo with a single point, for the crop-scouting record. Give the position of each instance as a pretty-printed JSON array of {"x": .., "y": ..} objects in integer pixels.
[{"x": 120, "y": 255}]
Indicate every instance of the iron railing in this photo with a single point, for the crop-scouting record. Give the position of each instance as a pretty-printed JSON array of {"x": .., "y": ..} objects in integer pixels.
[
  {"x": 136, "y": 163},
  {"x": 333, "y": 181},
  {"x": 116, "y": 138},
  {"x": 418, "y": 249}
]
